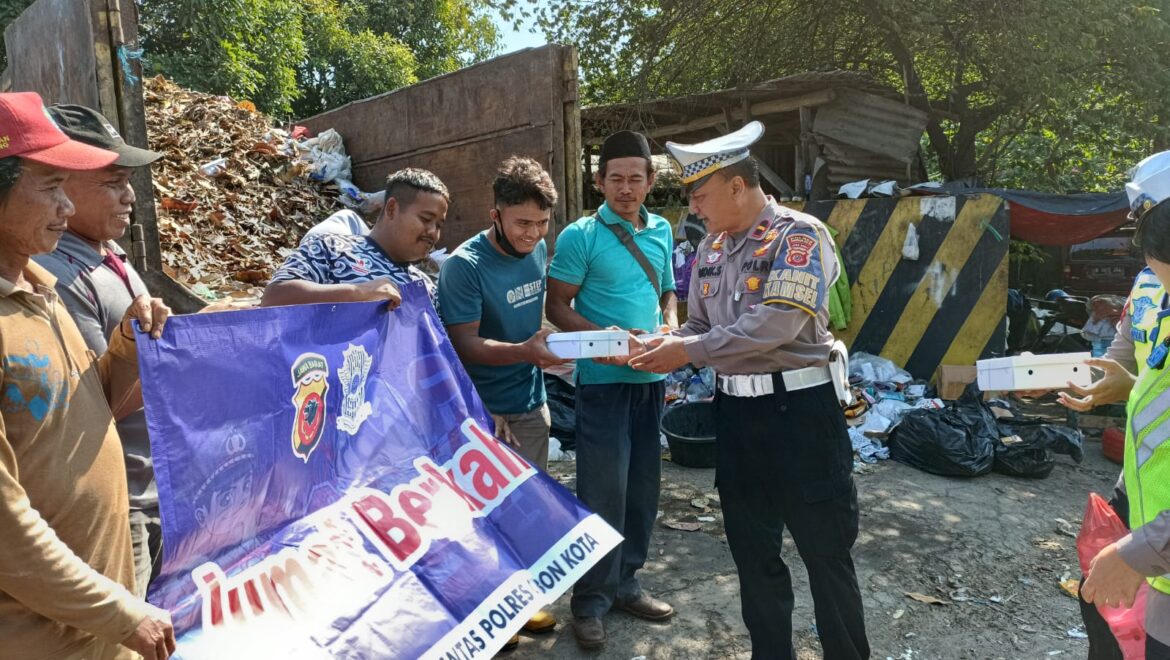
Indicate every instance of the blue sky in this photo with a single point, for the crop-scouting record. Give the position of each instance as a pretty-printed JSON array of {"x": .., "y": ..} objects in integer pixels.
[{"x": 514, "y": 40}]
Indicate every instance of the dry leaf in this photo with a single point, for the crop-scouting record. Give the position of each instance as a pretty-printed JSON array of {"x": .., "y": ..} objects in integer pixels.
[
  {"x": 684, "y": 526},
  {"x": 1072, "y": 587},
  {"x": 923, "y": 598},
  {"x": 245, "y": 221}
]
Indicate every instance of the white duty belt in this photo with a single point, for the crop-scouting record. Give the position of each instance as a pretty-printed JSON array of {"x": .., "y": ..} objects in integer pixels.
[
  {"x": 751, "y": 385},
  {"x": 837, "y": 373}
]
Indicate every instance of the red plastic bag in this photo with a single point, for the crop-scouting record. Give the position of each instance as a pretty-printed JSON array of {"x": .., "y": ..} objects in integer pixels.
[{"x": 1101, "y": 527}]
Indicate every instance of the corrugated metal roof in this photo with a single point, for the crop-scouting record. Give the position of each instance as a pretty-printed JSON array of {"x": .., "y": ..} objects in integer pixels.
[{"x": 864, "y": 129}]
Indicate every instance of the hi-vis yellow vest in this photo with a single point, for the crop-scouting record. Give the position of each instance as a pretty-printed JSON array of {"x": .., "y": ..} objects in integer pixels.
[
  {"x": 1147, "y": 437},
  {"x": 1144, "y": 308}
]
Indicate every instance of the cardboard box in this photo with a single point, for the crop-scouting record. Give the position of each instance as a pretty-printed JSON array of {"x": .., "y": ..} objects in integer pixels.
[{"x": 953, "y": 379}]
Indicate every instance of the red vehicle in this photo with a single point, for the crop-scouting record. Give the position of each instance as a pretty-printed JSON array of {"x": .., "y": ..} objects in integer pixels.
[{"x": 1107, "y": 264}]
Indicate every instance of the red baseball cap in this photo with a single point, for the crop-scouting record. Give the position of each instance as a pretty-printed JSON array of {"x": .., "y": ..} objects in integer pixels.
[{"x": 27, "y": 131}]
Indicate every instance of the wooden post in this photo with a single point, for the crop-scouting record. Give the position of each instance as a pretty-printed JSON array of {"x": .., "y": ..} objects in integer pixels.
[
  {"x": 573, "y": 188},
  {"x": 803, "y": 151}
]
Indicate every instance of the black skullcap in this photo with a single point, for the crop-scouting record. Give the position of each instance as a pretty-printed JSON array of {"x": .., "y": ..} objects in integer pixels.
[{"x": 625, "y": 144}]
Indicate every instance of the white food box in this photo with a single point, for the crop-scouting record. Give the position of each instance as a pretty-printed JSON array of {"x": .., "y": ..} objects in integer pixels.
[
  {"x": 1034, "y": 372},
  {"x": 589, "y": 344}
]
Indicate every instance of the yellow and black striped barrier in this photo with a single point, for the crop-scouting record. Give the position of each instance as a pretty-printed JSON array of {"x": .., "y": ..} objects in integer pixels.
[{"x": 946, "y": 307}]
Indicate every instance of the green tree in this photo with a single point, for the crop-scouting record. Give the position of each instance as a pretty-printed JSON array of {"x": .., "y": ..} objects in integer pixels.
[
  {"x": 344, "y": 65},
  {"x": 9, "y": 10},
  {"x": 987, "y": 71},
  {"x": 305, "y": 57},
  {"x": 245, "y": 48},
  {"x": 443, "y": 35}
]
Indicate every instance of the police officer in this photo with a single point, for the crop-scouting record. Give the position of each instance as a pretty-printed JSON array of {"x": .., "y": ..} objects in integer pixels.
[
  {"x": 758, "y": 314},
  {"x": 1143, "y": 555}
]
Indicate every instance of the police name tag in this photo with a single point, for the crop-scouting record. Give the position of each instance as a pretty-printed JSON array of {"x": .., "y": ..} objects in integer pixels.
[{"x": 589, "y": 344}]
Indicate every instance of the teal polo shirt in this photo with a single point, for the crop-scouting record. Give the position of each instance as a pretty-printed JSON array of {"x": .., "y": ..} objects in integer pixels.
[{"x": 614, "y": 288}]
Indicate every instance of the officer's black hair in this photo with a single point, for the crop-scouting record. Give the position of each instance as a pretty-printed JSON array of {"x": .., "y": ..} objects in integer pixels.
[
  {"x": 10, "y": 169},
  {"x": 747, "y": 169},
  {"x": 1153, "y": 233}
]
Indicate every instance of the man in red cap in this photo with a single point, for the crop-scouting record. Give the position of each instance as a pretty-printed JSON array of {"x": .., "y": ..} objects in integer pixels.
[{"x": 66, "y": 572}]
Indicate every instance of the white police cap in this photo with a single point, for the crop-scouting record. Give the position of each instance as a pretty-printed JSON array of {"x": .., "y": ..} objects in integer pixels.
[{"x": 696, "y": 161}]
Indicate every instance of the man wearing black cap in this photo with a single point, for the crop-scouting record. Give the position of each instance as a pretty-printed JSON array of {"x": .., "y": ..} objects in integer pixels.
[
  {"x": 97, "y": 285},
  {"x": 614, "y": 269}
]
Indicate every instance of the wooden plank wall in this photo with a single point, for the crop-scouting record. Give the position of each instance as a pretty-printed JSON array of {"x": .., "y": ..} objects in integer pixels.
[
  {"x": 41, "y": 60},
  {"x": 68, "y": 52},
  {"x": 461, "y": 125}
]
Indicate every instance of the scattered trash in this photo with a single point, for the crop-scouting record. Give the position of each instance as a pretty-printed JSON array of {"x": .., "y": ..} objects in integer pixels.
[
  {"x": 923, "y": 598},
  {"x": 1078, "y": 633},
  {"x": 251, "y": 215},
  {"x": 1026, "y": 447},
  {"x": 700, "y": 502},
  {"x": 556, "y": 453},
  {"x": 705, "y": 519},
  {"x": 1071, "y": 587},
  {"x": 684, "y": 526},
  {"x": 214, "y": 168},
  {"x": 898, "y": 614},
  {"x": 1065, "y": 527},
  {"x": 957, "y": 441}
]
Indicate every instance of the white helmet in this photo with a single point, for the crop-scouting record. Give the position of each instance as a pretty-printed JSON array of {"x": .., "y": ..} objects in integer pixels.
[{"x": 1149, "y": 184}]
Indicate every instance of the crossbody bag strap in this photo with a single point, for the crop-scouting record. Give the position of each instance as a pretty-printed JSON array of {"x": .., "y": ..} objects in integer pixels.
[{"x": 627, "y": 240}]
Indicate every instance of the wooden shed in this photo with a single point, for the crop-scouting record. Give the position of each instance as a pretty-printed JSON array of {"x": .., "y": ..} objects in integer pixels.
[{"x": 822, "y": 129}]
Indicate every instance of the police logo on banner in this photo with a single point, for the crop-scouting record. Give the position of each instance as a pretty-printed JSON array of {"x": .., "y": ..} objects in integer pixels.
[
  {"x": 310, "y": 376},
  {"x": 355, "y": 369}
]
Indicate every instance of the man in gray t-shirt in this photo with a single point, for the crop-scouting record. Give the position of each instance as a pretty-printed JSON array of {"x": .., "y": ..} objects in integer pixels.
[{"x": 97, "y": 285}]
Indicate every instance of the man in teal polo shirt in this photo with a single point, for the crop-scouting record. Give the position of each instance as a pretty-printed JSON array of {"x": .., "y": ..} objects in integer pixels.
[
  {"x": 595, "y": 282},
  {"x": 491, "y": 294}
]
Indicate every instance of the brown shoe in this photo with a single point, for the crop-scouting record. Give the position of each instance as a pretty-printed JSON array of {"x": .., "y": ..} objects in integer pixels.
[
  {"x": 589, "y": 631},
  {"x": 646, "y": 607}
]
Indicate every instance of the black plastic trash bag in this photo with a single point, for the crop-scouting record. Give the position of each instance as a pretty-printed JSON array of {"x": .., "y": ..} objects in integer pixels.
[
  {"x": 562, "y": 409},
  {"x": 1025, "y": 448},
  {"x": 957, "y": 441}
]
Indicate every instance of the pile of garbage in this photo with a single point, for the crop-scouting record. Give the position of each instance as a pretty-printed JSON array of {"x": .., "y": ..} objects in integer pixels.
[
  {"x": 234, "y": 194},
  {"x": 970, "y": 437},
  {"x": 883, "y": 393}
]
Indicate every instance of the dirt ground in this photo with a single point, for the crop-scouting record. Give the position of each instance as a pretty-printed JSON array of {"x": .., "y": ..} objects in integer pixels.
[{"x": 993, "y": 548}]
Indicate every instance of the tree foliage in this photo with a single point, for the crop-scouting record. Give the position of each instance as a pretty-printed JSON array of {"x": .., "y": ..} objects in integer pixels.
[
  {"x": 303, "y": 57},
  {"x": 1018, "y": 91}
]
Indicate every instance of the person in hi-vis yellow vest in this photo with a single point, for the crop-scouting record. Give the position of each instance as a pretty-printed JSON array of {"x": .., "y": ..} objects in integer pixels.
[{"x": 1118, "y": 571}]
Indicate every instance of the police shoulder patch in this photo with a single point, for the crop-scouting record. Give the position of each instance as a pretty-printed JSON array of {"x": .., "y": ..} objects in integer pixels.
[{"x": 797, "y": 277}]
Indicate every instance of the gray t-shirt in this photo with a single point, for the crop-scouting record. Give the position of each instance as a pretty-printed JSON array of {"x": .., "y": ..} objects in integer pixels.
[{"x": 97, "y": 298}]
